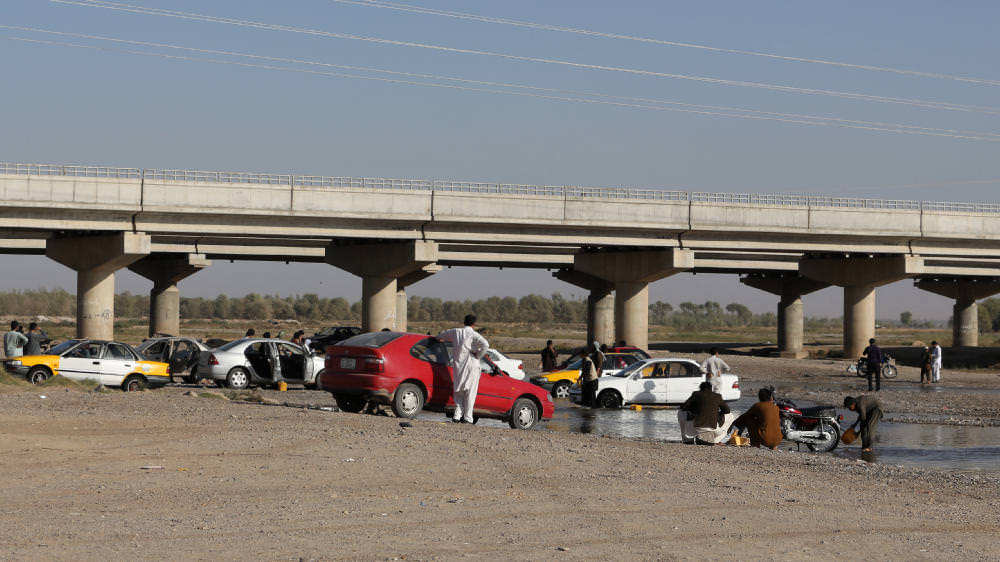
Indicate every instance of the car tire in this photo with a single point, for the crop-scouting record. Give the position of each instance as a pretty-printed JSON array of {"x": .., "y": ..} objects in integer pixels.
[
  {"x": 609, "y": 399},
  {"x": 524, "y": 414},
  {"x": 38, "y": 375},
  {"x": 238, "y": 379},
  {"x": 407, "y": 401},
  {"x": 561, "y": 389},
  {"x": 316, "y": 382},
  {"x": 133, "y": 383},
  {"x": 349, "y": 404},
  {"x": 192, "y": 377}
]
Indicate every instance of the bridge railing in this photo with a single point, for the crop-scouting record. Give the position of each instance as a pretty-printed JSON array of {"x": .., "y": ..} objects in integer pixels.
[{"x": 611, "y": 193}]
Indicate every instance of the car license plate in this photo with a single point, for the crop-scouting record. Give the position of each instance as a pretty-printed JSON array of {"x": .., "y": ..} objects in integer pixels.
[{"x": 347, "y": 362}]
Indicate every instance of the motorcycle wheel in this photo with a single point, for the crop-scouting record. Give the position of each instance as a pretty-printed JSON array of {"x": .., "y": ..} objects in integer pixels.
[
  {"x": 831, "y": 443},
  {"x": 889, "y": 371},
  {"x": 862, "y": 372}
]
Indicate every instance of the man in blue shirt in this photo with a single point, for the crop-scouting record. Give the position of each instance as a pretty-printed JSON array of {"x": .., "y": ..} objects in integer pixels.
[{"x": 874, "y": 355}]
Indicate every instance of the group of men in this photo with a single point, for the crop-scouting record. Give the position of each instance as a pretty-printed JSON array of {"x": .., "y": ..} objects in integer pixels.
[{"x": 16, "y": 343}]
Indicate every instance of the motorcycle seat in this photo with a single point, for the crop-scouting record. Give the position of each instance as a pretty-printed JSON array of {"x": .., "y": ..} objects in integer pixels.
[{"x": 817, "y": 411}]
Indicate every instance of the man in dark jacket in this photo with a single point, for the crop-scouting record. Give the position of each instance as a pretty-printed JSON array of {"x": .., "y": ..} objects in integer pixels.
[
  {"x": 705, "y": 417},
  {"x": 869, "y": 413},
  {"x": 874, "y": 355},
  {"x": 549, "y": 355}
]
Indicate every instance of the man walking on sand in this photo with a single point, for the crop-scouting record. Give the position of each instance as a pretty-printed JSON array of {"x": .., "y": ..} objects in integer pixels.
[
  {"x": 468, "y": 348},
  {"x": 869, "y": 414},
  {"x": 714, "y": 367},
  {"x": 935, "y": 362},
  {"x": 874, "y": 355}
]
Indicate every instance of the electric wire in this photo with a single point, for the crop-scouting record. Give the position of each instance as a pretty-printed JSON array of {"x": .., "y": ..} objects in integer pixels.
[
  {"x": 636, "y": 103},
  {"x": 704, "y": 79},
  {"x": 592, "y": 33}
]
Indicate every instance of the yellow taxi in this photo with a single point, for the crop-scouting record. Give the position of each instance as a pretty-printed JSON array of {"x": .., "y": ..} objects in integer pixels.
[
  {"x": 110, "y": 363},
  {"x": 558, "y": 382}
]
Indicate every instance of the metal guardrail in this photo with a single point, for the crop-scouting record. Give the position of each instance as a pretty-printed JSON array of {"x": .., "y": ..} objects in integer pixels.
[{"x": 613, "y": 193}]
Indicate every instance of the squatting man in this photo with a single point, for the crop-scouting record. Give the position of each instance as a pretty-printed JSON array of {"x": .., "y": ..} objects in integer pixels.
[{"x": 467, "y": 351}]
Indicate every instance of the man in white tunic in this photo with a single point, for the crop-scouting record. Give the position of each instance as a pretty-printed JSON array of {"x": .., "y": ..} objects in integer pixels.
[
  {"x": 935, "y": 362},
  {"x": 713, "y": 367},
  {"x": 468, "y": 348}
]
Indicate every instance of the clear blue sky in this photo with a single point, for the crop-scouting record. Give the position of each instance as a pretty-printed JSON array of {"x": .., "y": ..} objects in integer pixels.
[{"x": 66, "y": 104}]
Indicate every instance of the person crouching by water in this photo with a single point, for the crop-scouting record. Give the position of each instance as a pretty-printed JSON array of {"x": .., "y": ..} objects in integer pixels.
[
  {"x": 762, "y": 421},
  {"x": 468, "y": 348},
  {"x": 869, "y": 413},
  {"x": 705, "y": 418}
]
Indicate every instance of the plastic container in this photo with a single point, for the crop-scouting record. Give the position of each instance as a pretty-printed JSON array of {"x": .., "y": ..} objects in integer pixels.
[
  {"x": 636, "y": 407},
  {"x": 849, "y": 436},
  {"x": 282, "y": 386}
]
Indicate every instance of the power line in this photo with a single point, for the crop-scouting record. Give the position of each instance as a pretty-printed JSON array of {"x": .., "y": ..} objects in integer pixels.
[
  {"x": 329, "y": 34},
  {"x": 635, "y": 103},
  {"x": 592, "y": 33}
]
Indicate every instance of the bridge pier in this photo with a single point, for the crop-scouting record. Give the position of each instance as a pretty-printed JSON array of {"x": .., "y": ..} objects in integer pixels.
[
  {"x": 965, "y": 291},
  {"x": 631, "y": 272},
  {"x": 165, "y": 271},
  {"x": 379, "y": 265},
  {"x": 790, "y": 289},
  {"x": 405, "y": 281},
  {"x": 859, "y": 276},
  {"x": 600, "y": 304},
  {"x": 95, "y": 259}
]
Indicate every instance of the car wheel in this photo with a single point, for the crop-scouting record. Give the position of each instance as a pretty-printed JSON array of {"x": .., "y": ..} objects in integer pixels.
[
  {"x": 524, "y": 414},
  {"x": 609, "y": 399},
  {"x": 316, "y": 382},
  {"x": 237, "y": 379},
  {"x": 561, "y": 389},
  {"x": 350, "y": 404},
  {"x": 133, "y": 383},
  {"x": 407, "y": 401},
  {"x": 38, "y": 375},
  {"x": 192, "y": 377}
]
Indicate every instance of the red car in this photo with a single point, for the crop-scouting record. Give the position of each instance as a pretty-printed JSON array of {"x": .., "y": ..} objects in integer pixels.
[{"x": 412, "y": 372}]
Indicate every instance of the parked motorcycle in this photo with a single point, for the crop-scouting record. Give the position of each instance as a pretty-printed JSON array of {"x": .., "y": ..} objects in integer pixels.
[
  {"x": 817, "y": 427},
  {"x": 889, "y": 370}
]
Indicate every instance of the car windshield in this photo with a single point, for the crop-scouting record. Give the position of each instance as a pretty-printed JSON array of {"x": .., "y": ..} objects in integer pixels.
[
  {"x": 64, "y": 347},
  {"x": 144, "y": 345},
  {"x": 371, "y": 339},
  {"x": 630, "y": 369}
]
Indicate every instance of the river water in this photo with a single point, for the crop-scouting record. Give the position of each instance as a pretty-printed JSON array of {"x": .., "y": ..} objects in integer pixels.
[{"x": 949, "y": 447}]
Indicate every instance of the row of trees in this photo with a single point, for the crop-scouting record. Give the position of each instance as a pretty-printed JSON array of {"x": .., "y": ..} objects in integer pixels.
[{"x": 311, "y": 307}]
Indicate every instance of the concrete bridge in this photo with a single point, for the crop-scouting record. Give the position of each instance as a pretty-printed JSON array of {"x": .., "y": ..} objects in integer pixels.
[{"x": 613, "y": 242}]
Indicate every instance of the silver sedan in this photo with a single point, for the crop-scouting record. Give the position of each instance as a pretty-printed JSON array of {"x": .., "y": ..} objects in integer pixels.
[{"x": 260, "y": 361}]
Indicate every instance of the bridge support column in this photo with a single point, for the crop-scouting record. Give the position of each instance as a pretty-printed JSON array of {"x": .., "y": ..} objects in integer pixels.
[
  {"x": 631, "y": 272},
  {"x": 790, "y": 288},
  {"x": 402, "y": 283},
  {"x": 165, "y": 271},
  {"x": 95, "y": 259},
  {"x": 379, "y": 265},
  {"x": 965, "y": 317},
  {"x": 859, "y": 276},
  {"x": 600, "y": 304}
]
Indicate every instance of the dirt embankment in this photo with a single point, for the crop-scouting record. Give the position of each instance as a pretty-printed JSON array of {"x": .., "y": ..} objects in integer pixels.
[{"x": 164, "y": 475}]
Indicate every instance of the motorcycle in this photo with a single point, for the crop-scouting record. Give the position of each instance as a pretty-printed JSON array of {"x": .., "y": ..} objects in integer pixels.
[
  {"x": 817, "y": 427},
  {"x": 889, "y": 370}
]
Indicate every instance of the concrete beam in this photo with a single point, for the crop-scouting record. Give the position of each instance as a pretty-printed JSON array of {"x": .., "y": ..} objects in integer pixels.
[
  {"x": 791, "y": 325},
  {"x": 379, "y": 265},
  {"x": 600, "y": 303},
  {"x": 95, "y": 259},
  {"x": 965, "y": 313},
  {"x": 859, "y": 276},
  {"x": 165, "y": 271},
  {"x": 631, "y": 272}
]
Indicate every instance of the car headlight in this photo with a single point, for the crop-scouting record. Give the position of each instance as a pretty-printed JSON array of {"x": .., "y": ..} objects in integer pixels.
[{"x": 14, "y": 363}]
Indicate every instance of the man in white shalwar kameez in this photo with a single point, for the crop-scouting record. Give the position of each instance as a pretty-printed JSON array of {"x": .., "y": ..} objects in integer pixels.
[
  {"x": 714, "y": 367},
  {"x": 468, "y": 348},
  {"x": 935, "y": 362}
]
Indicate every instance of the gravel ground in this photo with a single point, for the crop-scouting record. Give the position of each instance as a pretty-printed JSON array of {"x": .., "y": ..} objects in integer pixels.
[{"x": 167, "y": 474}]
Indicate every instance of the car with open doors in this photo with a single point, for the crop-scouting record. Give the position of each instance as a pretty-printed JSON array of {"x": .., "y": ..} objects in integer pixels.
[
  {"x": 179, "y": 352},
  {"x": 249, "y": 362},
  {"x": 412, "y": 372}
]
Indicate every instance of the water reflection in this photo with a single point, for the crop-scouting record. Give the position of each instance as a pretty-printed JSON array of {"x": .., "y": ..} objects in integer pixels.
[{"x": 919, "y": 445}]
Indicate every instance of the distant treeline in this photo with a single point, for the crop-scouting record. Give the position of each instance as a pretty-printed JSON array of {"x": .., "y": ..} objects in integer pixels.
[{"x": 310, "y": 307}]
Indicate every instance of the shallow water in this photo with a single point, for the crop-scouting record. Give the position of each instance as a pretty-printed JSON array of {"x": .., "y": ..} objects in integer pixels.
[{"x": 952, "y": 447}]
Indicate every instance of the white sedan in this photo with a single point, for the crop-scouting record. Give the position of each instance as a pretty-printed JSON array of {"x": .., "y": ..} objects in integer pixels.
[
  {"x": 513, "y": 367},
  {"x": 656, "y": 381}
]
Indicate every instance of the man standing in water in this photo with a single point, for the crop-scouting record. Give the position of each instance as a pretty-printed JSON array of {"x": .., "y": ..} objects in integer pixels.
[
  {"x": 468, "y": 348},
  {"x": 869, "y": 413}
]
